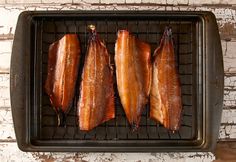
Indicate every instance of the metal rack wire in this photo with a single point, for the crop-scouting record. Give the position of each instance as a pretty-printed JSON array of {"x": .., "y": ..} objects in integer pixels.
[{"x": 118, "y": 128}]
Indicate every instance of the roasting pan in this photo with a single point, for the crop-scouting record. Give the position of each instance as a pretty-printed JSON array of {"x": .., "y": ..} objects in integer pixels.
[{"x": 200, "y": 64}]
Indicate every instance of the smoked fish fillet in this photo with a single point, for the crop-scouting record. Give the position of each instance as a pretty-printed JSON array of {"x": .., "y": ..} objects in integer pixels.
[
  {"x": 133, "y": 74},
  {"x": 63, "y": 64},
  {"x": 96, "y": 104},
  {"x": 165, "y": 95}
]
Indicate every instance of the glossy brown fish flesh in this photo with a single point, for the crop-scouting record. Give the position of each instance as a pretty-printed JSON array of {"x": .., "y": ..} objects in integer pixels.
[
  {"x": 63, "y": 63},
  {"x": 133, "y": 73},
  {"x": 96, "y": 103},
  {"x": 165, "y": 97}
]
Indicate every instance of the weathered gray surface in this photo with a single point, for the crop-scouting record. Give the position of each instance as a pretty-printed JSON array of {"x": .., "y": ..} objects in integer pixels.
[
  {"x": 225, "y": 12},
  {"x": 9, "y": 151}
]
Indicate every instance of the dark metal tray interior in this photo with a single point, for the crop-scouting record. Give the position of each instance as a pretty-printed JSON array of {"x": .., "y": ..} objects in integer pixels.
[{"x": 184, "y": 35}]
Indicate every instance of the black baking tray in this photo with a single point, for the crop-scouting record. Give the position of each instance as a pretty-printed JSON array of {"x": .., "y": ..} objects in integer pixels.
[{"x": 200, "y": 64}]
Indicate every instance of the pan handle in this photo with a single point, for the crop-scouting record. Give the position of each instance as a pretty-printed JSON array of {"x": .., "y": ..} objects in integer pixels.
[
  {"x": 19, "y": 79},
  {"x": 214, "y": 79}
]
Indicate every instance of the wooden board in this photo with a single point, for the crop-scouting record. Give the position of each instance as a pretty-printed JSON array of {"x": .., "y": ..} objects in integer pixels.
[{"x": 225, "y": 12}]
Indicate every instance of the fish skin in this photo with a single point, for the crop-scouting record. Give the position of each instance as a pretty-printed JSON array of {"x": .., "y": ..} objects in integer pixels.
[
  {"x": 63, "y": 63},
  {"x": 133, "y": 74},
  {"x": 165, "y": 95},
  {"x": 96, "y": 104}
]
